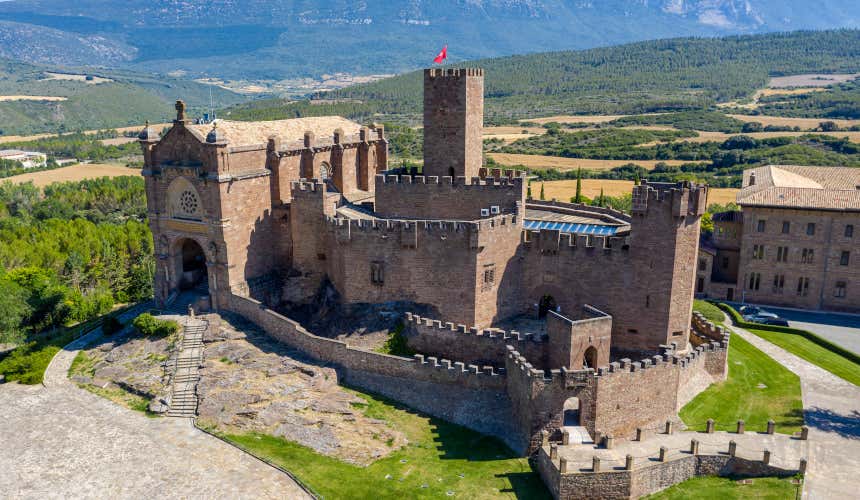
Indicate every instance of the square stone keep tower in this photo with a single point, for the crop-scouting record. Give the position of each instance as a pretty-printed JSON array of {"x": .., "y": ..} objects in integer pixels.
[{"x": 453, "y": 121}]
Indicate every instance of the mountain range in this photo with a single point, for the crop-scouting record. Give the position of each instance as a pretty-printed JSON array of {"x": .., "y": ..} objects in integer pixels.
[{"x": 279, "y": 39}]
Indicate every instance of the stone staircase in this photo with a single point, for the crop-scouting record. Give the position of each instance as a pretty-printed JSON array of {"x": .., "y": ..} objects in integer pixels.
[{"x": 183, "y": 402}]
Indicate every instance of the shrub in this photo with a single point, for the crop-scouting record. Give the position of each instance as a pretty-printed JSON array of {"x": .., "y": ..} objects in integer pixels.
[
  {"x": 150, "y": 326},
  {"x": 111, "y": 325}
]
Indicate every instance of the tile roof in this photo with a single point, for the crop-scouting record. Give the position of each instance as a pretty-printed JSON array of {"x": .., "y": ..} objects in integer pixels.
[
  {"x": 793, "y": 186},
  {"x": 252, "y": 133}
]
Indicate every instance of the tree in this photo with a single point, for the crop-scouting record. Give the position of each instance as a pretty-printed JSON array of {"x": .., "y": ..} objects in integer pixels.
[
  {"x": 828, "y": 126},
  {"x": 541, "y": 192},
  {"x": 529, "y": 191},
  {"x": 14, "y": 311},
  {"x": 636, "y": 180},
  {"x": 578, "y": 197}
]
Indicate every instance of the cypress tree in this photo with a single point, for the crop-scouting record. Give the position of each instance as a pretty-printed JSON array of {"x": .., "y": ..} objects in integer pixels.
[
  {"x": 578, "y": 197},
  {"x": 541, "y": 191}
]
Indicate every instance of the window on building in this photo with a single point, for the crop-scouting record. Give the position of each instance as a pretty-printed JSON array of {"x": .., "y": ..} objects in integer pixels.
[
  {"x": 807, "y": 256},
  {"x": 778, "y": 283},
  {"x": 703, "y": 264},
  {"x": 647, "y": 301},
  {"x": 725, "y": 262},
  {"x": 755, "y": 281},
  {"x": 786, "y": 227},
  {"x": 489, "y": 276},
  {"x": 803, "y": 287},
  {"x": 782, "y": 254},
  {"x": 377, "y": 273},
  {"x": 700, "y": 285},
  {"x": 841, "y": 288},
  {"x": 849, "y": 231},
  {"x": 758, "y": 252},
  {"x": 810, "y": 229},
  {"x": 761, "y": 226},
  {"x": 843, "y": 259}
]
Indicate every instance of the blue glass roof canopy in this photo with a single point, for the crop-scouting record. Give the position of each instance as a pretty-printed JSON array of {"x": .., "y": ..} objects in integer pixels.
[{"x": 570, "y": 227}]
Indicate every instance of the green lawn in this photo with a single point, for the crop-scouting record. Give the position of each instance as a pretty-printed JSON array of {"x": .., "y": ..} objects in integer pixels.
[
  {"x": 709, "y": 311},
  {"x": 723, "y": 488},
  {"x": 27, "y": 363},
  {"x": 810, "y": 351},
  {"x": 740, "y": 397},
  {"x": 440, "y": 458}
]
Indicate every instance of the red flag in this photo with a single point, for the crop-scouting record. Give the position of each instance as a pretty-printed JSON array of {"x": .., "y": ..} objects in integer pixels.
[{"x": 443, "y": 54}]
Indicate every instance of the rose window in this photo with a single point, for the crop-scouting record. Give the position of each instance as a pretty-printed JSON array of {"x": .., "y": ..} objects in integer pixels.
[{"x": 188, "y": 203}]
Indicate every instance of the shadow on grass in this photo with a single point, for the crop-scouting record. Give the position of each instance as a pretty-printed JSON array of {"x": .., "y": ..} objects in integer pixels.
[{"x": 526, "y": 485}]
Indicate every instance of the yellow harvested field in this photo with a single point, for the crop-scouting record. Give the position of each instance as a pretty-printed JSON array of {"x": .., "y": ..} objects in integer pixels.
[
  {"x": 565, "y": 190},
  {"x": 720, "y": 136},
  {"x": 794, "y": 91},
  {"x": 557, "y": 162},
  {"x": 4, "y": 98},
  {"x": 804, "y": 123},
  {"x": 118, "y": 141},
  {"x": 77, "y": 78},
  {"x": 74, "y": 173},
  {"x": 575, "y": 119},
  {"x": 120, "y": 130},
  {"x": 513, "y": 130}
]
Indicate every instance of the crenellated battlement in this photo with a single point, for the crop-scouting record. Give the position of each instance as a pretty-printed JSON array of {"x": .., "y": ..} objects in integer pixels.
[
  {"x": 307, "y": 185},
  {"x": 683, "y": 198},
  {"x": 707, "y": 331},
  {"x": 457, "y": 367},
  {"x": 493, "y": 334},
  {"x": 452, "y": 72},
  {"x": 512, "y": 181}
]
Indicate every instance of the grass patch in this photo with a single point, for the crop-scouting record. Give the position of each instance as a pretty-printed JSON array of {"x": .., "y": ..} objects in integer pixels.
[
  {"x": 82, "y": 365},
  {"x": 723, "y": 488},
  {"x": 396, "y": 343},
  {"x": 27, "y": 363},
  {"x": 709, "y": 311},
  {"x": 121, "y": 397},
  {"x": 741, "y": 397},
  {"x": 440, "y": 458},
  {"x": 814, "y": 353},
  {"x": 817, "y": 350}
]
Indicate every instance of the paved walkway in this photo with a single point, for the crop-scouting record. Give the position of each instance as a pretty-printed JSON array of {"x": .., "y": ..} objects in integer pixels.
[
  {"x": 831, "y": 408},
  {"x": 60, "y": 441}
]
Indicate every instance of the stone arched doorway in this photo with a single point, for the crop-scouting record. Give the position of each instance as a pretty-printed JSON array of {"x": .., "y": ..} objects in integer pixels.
[
  {"x": 589, "y": 359},
  {"x": 546, "y": 304},
  {"x": 191, "y": 265},
  {"x": 571, "y": 413}
]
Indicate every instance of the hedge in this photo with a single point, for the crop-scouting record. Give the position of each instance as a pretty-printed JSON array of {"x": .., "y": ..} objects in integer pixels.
[{"x": 830, "y": 346}]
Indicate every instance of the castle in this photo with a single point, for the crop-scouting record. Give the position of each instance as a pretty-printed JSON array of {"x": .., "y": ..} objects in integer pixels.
[{"x": 263, "y": 213}]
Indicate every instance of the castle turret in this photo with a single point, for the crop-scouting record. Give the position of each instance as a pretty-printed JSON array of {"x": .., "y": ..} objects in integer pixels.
[
  {"x": 664, "y": 243},
  {"x": 453, "y": 122}
]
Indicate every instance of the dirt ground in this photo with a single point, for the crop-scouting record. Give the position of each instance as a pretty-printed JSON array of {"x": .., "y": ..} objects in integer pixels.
[
  {"x": 564, "y": 190},
  {"x": 74, "y": 173}
]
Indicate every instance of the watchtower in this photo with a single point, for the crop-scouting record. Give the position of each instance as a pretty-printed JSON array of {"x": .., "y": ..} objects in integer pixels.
[{"x": 453, "y": 121}]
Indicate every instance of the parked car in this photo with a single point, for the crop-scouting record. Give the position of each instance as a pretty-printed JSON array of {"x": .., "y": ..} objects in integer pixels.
[
  {"x": 750, "y": 311},
  {"x": 767, "y": 320}
]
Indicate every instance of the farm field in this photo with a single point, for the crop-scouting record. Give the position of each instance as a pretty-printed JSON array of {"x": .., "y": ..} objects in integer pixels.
[
  {"x": 803, "y": 123},
  {"x": 120, "y": 130},
  {"x": 4, "y": 98},
  {"x": 810, "y": 80},
  {"x": 721, "y": 136},
  {"x": 95, "y": 80},
  {"x": 574, "y": 119},
  {"x": 73, "y": 173},
  {"x": 561, "y": 163},
  {"x": 566, "y": 189}
]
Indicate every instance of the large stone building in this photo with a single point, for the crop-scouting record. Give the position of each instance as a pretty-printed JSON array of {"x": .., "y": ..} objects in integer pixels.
[
  {"x": 259, "y": 215},
  {"x": 793, "y": 244}
]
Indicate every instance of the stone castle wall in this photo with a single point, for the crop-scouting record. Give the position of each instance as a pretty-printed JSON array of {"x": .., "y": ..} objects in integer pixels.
[
  {"x": 434, "y": 198},
  {"x": 645, "y": 480}
]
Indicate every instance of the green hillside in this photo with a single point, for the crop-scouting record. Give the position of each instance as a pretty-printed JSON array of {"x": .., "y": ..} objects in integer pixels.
[
  {"x": 114, "y": 98},
  {"x": 661, "y": 75}
]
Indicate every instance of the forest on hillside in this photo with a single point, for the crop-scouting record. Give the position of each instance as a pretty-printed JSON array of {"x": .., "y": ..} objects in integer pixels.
[
  {"x": 70, "y": 252},
  {"x": 654, "y": 76}
]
